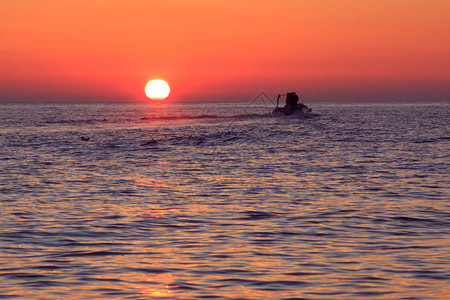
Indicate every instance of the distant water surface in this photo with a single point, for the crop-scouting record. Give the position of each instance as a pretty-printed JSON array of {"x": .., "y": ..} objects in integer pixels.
[{"x": 222, "y": 201}]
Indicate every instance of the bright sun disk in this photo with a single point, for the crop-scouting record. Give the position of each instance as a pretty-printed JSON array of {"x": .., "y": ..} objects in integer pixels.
[{"x": 157, "y": 89}]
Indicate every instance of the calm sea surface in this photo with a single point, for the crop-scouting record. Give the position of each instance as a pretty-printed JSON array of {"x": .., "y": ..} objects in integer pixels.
[{"x": 221, "y": 201}]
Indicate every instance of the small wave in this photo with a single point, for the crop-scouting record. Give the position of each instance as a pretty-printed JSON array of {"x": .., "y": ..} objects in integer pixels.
[
  {"x": 257, "y": 215},
  {"x": 150, "y": 142},
  {"x": 196, "y": 117},
  {"x": 204, "y": 139},
  {"x": 180, "y": 117},
  {"x": 81, "y": 121},
  {"x": 92, "y": 253}
]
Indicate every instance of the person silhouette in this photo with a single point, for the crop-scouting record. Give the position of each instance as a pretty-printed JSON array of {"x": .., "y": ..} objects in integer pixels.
[{"x": 291, "y": 103}]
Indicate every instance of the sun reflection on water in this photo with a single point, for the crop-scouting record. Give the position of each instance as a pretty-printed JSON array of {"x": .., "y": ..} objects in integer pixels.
[
  {"x": 159, "y": 212},
  {"x": 162, "y": 286}
]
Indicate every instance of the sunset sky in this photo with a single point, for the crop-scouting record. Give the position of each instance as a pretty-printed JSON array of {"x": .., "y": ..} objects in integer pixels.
[{"x": 98, "y": 50}]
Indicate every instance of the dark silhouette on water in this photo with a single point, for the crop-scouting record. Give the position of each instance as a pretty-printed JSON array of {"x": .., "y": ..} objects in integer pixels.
[{"x": 292, "y": 105}]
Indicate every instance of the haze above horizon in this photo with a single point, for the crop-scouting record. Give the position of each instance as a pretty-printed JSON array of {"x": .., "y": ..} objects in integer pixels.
[{"x": 225, "y": 50}]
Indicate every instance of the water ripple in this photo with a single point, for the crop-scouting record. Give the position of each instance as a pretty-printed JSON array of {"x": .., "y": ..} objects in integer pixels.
[{"x": 352, "y": 203}]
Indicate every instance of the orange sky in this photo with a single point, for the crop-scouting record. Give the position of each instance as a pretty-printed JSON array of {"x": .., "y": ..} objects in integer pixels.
[{"x": 225, "y": 50}]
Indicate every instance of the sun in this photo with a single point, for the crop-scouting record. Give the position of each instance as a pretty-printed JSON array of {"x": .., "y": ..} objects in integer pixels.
[{"x": 157, "y": 89}]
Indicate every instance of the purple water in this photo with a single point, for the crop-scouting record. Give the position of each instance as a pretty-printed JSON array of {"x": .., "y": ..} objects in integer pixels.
[{"x": 222, "y": 201}]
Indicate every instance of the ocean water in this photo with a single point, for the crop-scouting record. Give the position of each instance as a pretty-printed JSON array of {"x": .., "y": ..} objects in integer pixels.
[{"x": 222, "y": 201}]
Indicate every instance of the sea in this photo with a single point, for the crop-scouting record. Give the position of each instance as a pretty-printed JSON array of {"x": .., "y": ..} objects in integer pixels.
[{"x": 222, "y": 200}]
